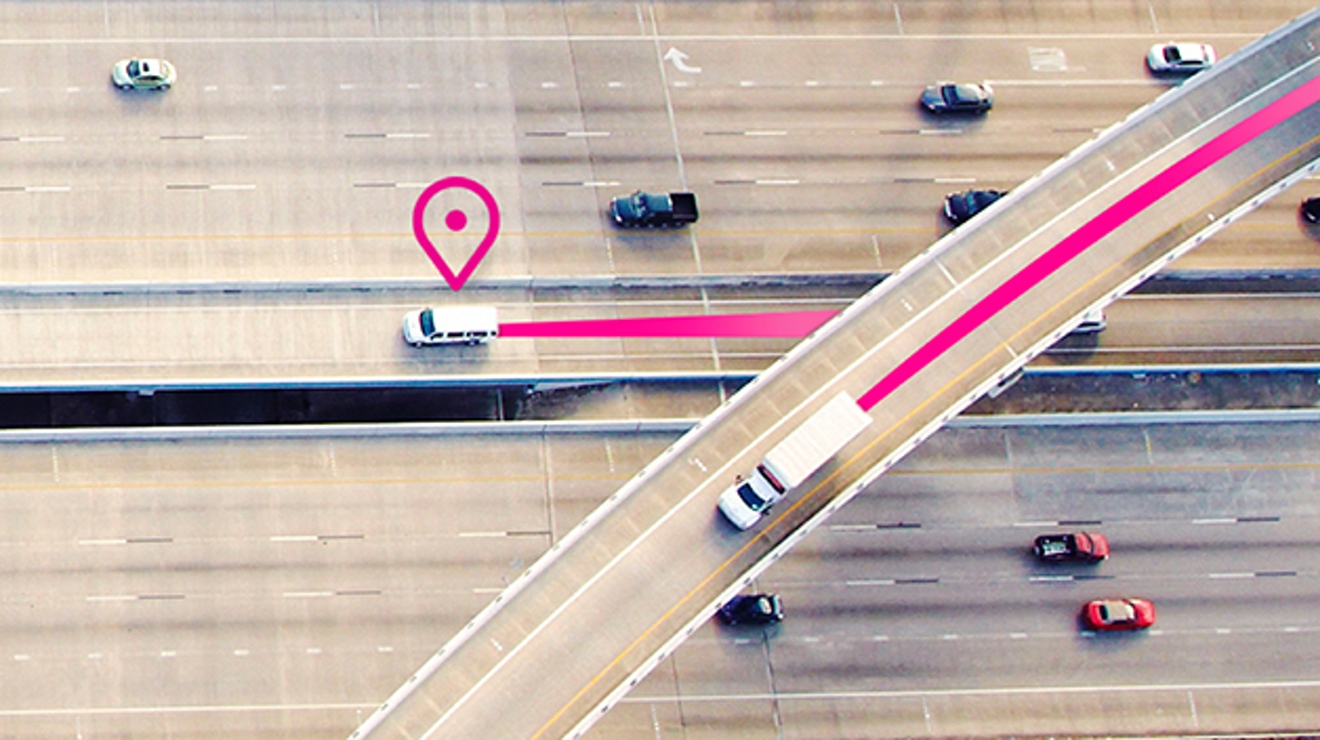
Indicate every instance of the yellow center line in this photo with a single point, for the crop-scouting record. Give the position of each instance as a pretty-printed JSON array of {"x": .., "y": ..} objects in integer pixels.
[{"x": 802, "y": 500}]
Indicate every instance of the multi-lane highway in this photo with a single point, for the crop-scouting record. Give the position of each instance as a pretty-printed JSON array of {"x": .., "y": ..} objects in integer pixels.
[
  {"x": 952, "y": 324},
  {"x": 297, "y": 139},
  {"x": 279, "y": 587},
  {"x": 258, "y": 588},
  {"x": 341, "y": 337}
]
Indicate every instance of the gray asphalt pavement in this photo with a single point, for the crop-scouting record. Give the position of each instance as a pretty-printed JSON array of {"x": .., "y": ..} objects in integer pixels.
[
  {"x": 297, "y": 140},
  {"x": 258, "y": 587}
]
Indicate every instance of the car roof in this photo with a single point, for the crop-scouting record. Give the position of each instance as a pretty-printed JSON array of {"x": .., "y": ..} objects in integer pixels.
[
  {"x": 966, "y": 92},
  {"x": 1188, "y": 52}
]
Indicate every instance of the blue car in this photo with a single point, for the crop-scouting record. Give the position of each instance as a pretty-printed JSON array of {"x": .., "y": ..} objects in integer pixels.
[{"x": 752, "y": 609}]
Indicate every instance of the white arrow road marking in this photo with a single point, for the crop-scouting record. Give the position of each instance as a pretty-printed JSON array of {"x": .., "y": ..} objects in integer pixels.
[{"x": 679, "y": 59}]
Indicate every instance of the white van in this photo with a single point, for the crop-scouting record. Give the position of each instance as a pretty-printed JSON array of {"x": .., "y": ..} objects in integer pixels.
[{"x": 451, "y": 325}]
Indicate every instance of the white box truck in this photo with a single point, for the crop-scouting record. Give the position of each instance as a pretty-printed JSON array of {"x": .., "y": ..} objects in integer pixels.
[{"x": 794, "y": 460}]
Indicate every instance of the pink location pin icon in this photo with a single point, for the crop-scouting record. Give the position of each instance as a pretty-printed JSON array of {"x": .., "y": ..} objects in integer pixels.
[{"x": 455, "y": 221}]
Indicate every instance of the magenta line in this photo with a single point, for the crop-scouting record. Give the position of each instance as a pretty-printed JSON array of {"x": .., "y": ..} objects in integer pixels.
[
  {"x": 795, "y": 324},
  {"x": 1091, "y": 232}
]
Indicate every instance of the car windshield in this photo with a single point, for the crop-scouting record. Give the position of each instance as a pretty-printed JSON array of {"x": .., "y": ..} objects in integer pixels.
[
  {"x": 428, "y": 323},
  {"x": 749, "y": 497},
  {"x": 1054, "y": 547},
  {"x": 133, "y": 68}
]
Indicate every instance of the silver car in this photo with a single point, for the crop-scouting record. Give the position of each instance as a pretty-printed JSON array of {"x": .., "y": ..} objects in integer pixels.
[
  {"x": 1180, "y": 58},
  {"x": 143, "y": 74}
]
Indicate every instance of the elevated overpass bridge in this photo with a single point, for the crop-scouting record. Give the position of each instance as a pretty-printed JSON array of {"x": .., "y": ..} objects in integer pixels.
[{"x": 619, "y": 592}]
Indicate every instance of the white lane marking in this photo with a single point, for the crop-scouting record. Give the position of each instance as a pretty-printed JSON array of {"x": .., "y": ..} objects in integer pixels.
[
  {"x": 483, "y": 534},
  {"x": 765, "y": 133},
  {"x": 347, "y": 86},
  {"x": 293, "y": 538},
  {"x": 47, "y": 189},
  {"x": 549, "y": 85},
  {"x": 190, "y": 709},
  {"x": 241, "y": 653},
  {"x": 39, "y": 139},
  {"x": 614, "y": 84},
  {"x": 600, "y": 184},
  {"x": 487, "y": 590},
  {"x": 1007, "y": 691},
  {"x": 408, "y": 135},
  {"x": 277, "y": 88},
  {"x": 1215, "y": 520},
  {"x": 877, "y": 348},
  {"x": 954, "y": 180},
  {"x": 21, "y": 657},
  {"x": 116, "y": 597},
  {"x": 233, "y": 187},
  {"x": 313, "y": 651},
  {"x": 587, "y": 134},
  {"x": 384, "y": 649},
  {"x": 557, "y": 39},
  {"x": 103, "y": 542},
  {"x": 308, "y": 594},
  {"x": 1223, "y": 576},
  {"x": 224, "y": 137},
  {"x": 210, "y": 88},
  {"x": 779, "y": 182},
  {"x": 168, "y": 653}
]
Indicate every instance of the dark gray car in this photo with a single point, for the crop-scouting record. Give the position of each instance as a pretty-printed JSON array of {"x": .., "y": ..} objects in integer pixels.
[
  {"x": 966, "y": 97},
  {"x": 959, "y": 207}
]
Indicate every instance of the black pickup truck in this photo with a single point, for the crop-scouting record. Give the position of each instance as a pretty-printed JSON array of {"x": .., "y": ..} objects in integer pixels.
[{"x": 654, "y": 210}]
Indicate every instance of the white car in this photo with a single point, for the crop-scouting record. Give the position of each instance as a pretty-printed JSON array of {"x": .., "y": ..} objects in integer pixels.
[
  {"x": 143, "y": 74},
  {"x": 1186, "y": 58},
  {"x": 1093, "y": 322},
  {"x": 451, "y": 325}
]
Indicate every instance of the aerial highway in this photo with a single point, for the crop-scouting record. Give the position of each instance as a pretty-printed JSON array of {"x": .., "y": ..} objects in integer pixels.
[
  {"x": 246, "y": 587},
  {"x": 293, "y": 338},
  {"x": 950, "y": 325},
  {"x": 296, "y": 141},
  {"x": 240, "y": 585}
]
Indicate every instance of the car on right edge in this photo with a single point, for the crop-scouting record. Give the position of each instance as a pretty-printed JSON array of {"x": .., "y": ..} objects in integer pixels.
[{"x": 1310, "y": 209}]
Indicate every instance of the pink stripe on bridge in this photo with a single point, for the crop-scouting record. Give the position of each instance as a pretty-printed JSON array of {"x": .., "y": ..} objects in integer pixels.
[
  {"x": 794, "y": 324},
  {"x": 1091, "y": 232}
]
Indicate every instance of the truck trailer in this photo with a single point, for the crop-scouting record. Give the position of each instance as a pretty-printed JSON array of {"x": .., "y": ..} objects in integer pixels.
[{"x": 793, "y": 460}]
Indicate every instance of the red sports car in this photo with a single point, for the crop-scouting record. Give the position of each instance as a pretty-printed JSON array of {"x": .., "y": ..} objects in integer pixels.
[{"x": 1119, "y": 614}]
